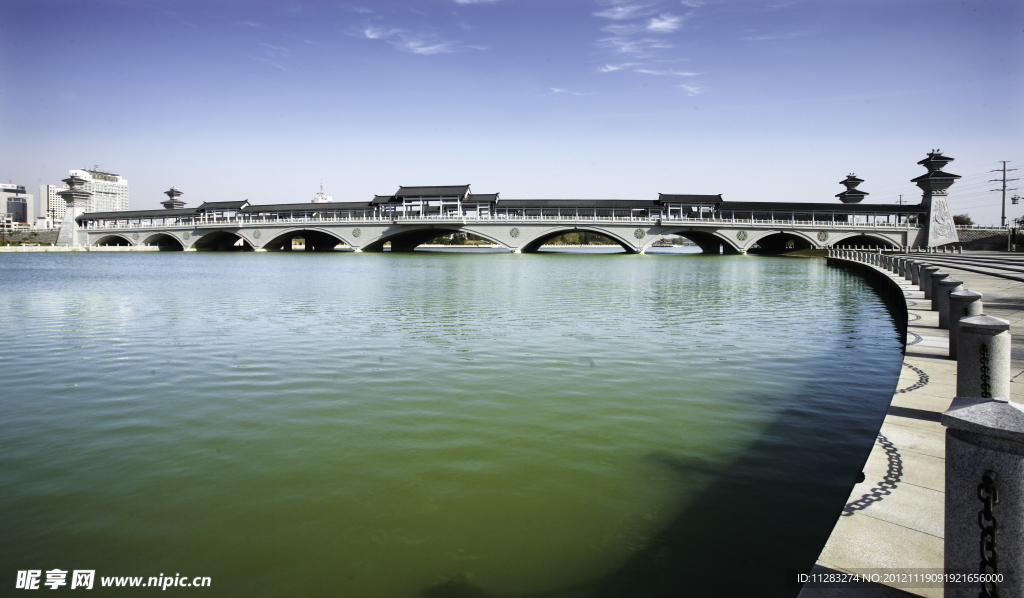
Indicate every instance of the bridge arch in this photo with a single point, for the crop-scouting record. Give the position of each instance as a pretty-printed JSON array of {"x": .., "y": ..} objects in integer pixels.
[
  {"x": 165, "y": 241},
  {"x": 862, "y": 238},
  {"x": 113, "y": 239},
  {"x": 534, "y": 244},
  {"x": 221, "y": 240},
  {"x": 777, "y": 241},
  {"x": 410, "y": 238},
  {"x": 710, "y": 242},
  {"x": 316, "y": 240}
]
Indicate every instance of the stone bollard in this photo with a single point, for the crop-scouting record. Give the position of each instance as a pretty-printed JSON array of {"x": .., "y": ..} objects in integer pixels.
[
  {"x": 908, "y": 269},
  {"x": 941, "y": 298},
  {"x": 915, "y": 276},
  {"x": 926, "y": 279},
  {"x": 984, "y": 523},
  {"x": 936, "y": 276},
  {"x": 961, "y": 248},
  {"x": 962, "y": 304},
  {"x": 983, "y": 358}
]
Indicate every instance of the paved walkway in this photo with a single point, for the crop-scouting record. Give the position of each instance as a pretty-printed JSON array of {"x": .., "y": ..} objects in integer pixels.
[{"x": 893, "y": 520}]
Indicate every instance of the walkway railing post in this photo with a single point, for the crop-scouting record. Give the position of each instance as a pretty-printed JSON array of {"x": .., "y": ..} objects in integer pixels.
[
  {"x": 983, "y": 358},
  {"x": 984, "y": 497},
  {"x": 962, "y": 304},
  {"x": 941, "y": 298},
  {"x": 926, "y": 279},
  {"x": 936, "y": 277}
]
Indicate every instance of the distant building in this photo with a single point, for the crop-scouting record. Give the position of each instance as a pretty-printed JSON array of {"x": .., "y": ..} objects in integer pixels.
[
  {"x": 109, "y": 193},
  {"x": 320, "y": 197},
  {"x": 51, "y": 206},
  {"x": 17, "y": 204}
]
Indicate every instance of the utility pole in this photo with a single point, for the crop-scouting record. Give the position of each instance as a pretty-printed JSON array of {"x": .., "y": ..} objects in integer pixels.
[{"x": 1004, "y": 180}]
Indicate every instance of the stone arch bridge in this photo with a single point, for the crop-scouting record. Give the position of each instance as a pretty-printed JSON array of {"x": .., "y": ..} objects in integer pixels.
[
  {"x": 525, "y": 236},
  {"x": 416, "y": 215}
]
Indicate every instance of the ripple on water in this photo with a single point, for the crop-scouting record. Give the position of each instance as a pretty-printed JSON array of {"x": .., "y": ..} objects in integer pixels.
[{"x": 373, "y": 425}]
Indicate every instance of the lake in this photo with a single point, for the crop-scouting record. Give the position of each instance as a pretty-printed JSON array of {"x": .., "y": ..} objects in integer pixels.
[{"x": 435, "y": 424}]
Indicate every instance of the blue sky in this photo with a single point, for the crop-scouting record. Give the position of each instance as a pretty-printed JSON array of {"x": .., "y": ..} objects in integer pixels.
[{"x": 772, "y": 100}]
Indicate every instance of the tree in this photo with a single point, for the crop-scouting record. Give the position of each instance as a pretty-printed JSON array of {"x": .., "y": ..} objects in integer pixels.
[{"x": 963, "y": 220}]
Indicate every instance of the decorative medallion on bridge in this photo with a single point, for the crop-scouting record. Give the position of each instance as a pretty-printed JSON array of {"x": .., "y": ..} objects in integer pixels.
[
  {"x": 639, "y": 233},
  {"x": 186, "y": 236},
  {"x": 135, "y": 236},
  {"x": 742, "y": 235},
  {"x": 356, "y": 232},
  {"x": 513, "y": 233},
  {"x": 823, "y": 236},
  {"x": 256, "y": 235}
]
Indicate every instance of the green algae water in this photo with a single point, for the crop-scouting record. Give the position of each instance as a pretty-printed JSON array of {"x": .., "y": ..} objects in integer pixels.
[{"x": 433, "y": 425}]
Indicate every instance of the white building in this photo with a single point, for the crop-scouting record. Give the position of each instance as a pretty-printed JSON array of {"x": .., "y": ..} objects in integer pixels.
[
  {"x": 321, "y": 197},
  {"x": 109, "y": 193},
  {"x": 51, "y": 206}
]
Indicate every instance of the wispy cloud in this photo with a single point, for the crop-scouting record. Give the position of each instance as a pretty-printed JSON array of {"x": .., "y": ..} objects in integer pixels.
[
  {"x": 248, "y": 24},
  {"x": 621, "y": 12},
  {"x": 637, "y": 47},
  {"x": 362, "y": 10},
  {"x": 416, "y": 43},
  {"x": 379, "y": 32},
  {"x": 273, "y": 56},
  {"x": 692, "y": 89},
  {"x": 665, "y": 23},
  {"x": 275, "y": 51},
  {"x": 475, "y": 1},
  {"x": 610, "y": 68},
  {"x": 661, "y": 72},
  {"x": 642, "y": 34},
  {"x": 767, "y": 37},
  {"x": 556, "y": 90}
]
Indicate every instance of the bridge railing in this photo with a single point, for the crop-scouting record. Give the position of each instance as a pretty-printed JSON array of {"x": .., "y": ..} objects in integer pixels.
[{"x": 367, "y": 218}]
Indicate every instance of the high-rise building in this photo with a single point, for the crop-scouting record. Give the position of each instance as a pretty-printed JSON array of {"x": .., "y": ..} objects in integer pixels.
[
  {"x": 17, "y": 204},
  {"x": 109, "y": 193},
  {"x": 50, "y": 204}
]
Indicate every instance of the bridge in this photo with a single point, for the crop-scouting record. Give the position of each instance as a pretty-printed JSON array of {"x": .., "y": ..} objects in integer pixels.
[{"x": 413, "y": 216}]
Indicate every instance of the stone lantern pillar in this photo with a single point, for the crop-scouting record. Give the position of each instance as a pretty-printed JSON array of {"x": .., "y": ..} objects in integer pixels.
[
  {"x": 172, "y": 202},
  {"x": 76, "y": 200},
  {"x": 934, "y": 183}
]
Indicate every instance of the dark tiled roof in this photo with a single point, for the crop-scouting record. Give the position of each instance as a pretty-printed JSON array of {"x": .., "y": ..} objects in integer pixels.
[
  {"x": 482, "y": 197},
  {"x": 445, "y": 191},
  {"x": 223, "y": 205},
  {"x": 937, "y": 174},
  {"x": 382, "y": 199},
  {"x": 802, "y": 208},
  {"x": 670, "y": 198},
  {"x": 331, "y": 206},
  {"x": 604, "y": 204},
  {"x": 162, "y": 213}
]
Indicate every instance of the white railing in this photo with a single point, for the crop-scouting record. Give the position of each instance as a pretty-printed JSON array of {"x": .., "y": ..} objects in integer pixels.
[{"x": 362, "y": 218}]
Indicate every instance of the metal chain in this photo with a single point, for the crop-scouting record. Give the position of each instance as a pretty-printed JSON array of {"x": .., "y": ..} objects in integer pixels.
[
  {"x": 988, "y": 493},
  {"x": 985, "y": 394}
]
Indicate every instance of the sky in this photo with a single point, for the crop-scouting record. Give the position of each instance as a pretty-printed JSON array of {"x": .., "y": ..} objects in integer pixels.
[{"x": 770, "y": 100}]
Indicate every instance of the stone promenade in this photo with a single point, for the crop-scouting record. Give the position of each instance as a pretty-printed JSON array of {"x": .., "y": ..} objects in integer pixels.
[{"x": 893, "y": 520}]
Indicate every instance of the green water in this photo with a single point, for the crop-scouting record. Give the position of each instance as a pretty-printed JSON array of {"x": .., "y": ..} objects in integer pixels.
[{"x": 433, "y": 424}]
